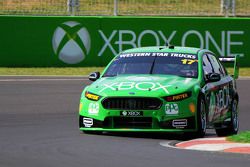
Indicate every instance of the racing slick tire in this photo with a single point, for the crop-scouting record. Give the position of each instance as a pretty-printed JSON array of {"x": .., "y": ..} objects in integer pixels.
[
  {"x": 233, "y": 126},
  {"x": 201, "y": 120}
]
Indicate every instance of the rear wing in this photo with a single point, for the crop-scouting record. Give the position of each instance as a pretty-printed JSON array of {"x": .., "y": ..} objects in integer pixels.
[{"x": 232, "y": 59}]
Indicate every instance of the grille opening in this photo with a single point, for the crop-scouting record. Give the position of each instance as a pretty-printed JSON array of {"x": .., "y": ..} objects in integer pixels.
[
  {"x": 132, "y": 103},
  {"x": 132, "y": 122}
]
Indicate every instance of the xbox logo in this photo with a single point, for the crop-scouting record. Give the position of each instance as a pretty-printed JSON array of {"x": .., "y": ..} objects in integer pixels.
[
  {"x": 71, "y": 42},
  {"x": 124, "y": 113}
]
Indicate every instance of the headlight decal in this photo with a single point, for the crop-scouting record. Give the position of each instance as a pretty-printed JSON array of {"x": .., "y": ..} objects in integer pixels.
[
  {"x": 92, "y": 96},
  {"x": 80, "y": 107}
]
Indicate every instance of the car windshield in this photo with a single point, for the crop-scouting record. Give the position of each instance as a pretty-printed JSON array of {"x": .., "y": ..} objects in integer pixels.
[{"x": 180, "y": 64}]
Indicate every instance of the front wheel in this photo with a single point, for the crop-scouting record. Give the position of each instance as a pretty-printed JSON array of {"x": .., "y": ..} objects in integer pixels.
[
  {"x": 201, "y": 120},
  {"x": 233, "y": 126}
]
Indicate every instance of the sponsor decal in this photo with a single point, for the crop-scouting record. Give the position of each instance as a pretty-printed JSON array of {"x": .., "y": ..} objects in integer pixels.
[
  {"x": 93, "y": 108},
  {"x": 223, "y": 42},
  {"x": 178, "y": 97},
  {"x": 212, "y": 106},
  {"x": 88, "y": 122},
  {"x": 143, "y": 86},
  {"x": 124, "y": 113},
  {"x": 171, "y": 109},
  {"x": 179, "y": 123},
  {"x": 161, "y": 54},
  {"x": 131, "y": 113},
  {"x": 71, "y": 42},
  {"x": 219, "y": 102},
  {"x": 188, "y": 61},
  {"x": 140, "y": 78}
]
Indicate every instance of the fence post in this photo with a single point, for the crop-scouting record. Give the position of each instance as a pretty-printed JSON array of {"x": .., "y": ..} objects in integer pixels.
[
  {"x": 75, "y": 6},
  {"x": 115, "y": 7},
  {"x": 233, "y": 7},
  {"x": 221, "y": 6},
  {"x": 226, "y": 6},
  {"x": 72, "y": 6},
  {"x": 69, "y": 6}
]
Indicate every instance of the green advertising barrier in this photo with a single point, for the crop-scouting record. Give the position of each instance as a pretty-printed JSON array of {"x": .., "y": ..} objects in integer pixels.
[{"x": 94, "y": 41}]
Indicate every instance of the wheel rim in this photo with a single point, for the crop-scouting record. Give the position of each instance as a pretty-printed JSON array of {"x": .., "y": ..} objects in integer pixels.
[
  {"x": 203, "y": 117},
  {"x": 235, "y": 116}
]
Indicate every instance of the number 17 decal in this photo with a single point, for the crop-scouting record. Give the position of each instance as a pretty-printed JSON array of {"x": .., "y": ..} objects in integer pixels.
[{"x": 188, "y": 61}]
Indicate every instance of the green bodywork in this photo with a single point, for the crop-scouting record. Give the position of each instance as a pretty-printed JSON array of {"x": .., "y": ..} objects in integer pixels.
[{"x": 156, "y": 86}]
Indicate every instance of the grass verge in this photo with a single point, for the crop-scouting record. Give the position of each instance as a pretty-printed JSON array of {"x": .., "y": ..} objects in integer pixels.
[
  {"x": 50, "y": 71},
  {"x": 244, "y": 71},
  {"x": 75, "y": 71},
  {"x": 243, "y": 137}
]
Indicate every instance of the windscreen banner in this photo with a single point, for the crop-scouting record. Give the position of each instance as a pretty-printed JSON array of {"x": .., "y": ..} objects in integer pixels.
[{"x": 65, "y": 41}]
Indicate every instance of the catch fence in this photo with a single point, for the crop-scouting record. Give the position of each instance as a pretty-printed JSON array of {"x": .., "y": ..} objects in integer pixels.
[{"x": 126, "y": 7}]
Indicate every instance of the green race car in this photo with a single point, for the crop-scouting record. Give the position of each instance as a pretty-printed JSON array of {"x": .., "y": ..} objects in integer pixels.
[{"x": 162, "y": 89}]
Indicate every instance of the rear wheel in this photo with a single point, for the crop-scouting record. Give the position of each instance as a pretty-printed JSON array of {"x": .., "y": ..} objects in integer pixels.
[{"x": 233, "y": 126}]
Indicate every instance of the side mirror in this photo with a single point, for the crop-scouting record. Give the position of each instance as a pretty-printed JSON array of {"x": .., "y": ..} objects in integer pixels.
[
  {"x": 94, "y": 76},
  {"x": 213, "y": 77}
]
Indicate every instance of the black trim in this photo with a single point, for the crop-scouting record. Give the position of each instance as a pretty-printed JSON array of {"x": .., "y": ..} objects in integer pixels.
[{"x": 137, "y": 103}]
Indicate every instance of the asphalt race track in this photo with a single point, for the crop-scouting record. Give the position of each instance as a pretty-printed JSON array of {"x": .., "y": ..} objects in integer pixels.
[{"x": 39, "y": 128}]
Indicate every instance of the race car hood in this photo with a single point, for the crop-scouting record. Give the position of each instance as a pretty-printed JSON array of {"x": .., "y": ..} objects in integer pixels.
[{"x": 141, "y": 85}]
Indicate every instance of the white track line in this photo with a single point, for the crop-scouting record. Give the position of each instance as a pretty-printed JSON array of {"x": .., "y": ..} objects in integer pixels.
[
  {"x": 79, "y": 76},
  {"x": 205, "y": 139},
  {"x": 60, "y": 78},
  {"x": 168, "y": 144},
  {"x": 206, "y": 146},
  {"x": 43, "y": 79},
  {"x": 82, "y": 76}
]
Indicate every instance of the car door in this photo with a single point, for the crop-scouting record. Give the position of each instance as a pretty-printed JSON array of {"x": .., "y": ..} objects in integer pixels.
[
  {"x": 222, "y": 93},
  {"x": 216, "y": 93}
]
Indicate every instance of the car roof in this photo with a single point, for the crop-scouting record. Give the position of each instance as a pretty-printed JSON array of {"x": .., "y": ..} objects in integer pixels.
[{"x": 177, "y": 49}]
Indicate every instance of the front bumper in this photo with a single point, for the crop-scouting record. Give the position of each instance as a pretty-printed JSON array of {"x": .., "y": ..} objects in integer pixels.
[
  {"x": 137, "y": 124},
  {"x": 94, "y": 117}
]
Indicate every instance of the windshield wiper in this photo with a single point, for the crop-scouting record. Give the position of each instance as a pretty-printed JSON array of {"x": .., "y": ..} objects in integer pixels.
[{"x": 153, "y": 64}]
